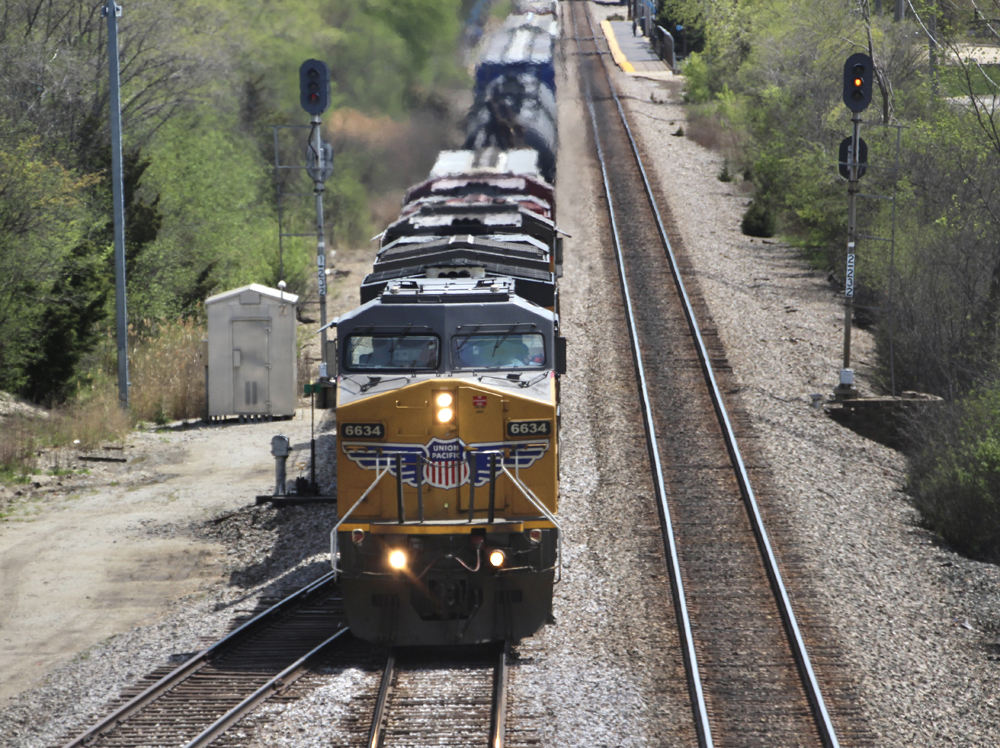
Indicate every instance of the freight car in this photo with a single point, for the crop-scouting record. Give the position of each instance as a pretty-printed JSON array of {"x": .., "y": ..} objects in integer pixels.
[
  {"x": 515, "y": 91},
  {"x": 516, "y": 110}
]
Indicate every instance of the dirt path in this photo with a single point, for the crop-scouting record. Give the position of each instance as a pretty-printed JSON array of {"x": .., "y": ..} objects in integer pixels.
[{"x": 79, "y": 566}]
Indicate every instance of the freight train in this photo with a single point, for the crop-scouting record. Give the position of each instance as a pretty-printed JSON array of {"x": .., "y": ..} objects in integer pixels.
[{"x": 447, "y": 381}]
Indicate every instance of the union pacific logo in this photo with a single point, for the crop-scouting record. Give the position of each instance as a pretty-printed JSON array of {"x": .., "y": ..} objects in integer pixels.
[{"x": 445, "y": 463}]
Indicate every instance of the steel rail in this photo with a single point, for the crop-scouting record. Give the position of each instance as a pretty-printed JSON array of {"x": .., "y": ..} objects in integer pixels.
[
  {"x": 797, "y": 644},
  {"x": 702, "y": 726},
  {"x": 282, "y": 680},
  {"x": 498, "y": 711},
  {"x": 377, "y": 731},
  {"x": 193, "y": 665},
  {"x": 498, "y": 718}
]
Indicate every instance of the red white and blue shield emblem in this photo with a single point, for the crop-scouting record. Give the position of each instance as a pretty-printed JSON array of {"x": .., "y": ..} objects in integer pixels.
[{"x": 447, "y": 464}]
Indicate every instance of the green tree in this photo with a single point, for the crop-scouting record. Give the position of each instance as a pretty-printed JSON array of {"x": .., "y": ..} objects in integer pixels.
[{"x": 43, "y": 214}]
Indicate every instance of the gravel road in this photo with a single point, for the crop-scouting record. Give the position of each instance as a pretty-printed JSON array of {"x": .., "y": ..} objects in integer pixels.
[{"x": 916, "y": 623}]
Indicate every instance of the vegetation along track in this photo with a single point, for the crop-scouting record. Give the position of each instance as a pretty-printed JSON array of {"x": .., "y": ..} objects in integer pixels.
[
  {"x": 442, "y": 697},
  {"x": 196, "y": 702},
  {"x": 750, "y": 678}
]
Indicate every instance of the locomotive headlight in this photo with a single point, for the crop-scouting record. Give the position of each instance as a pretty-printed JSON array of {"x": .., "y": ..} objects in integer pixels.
[
  {"x": 497, "y": 558},
  {"x": 397, "y": 559},
  {"x": 445, "y": 414},
  {"x": 444, "y": 399}
]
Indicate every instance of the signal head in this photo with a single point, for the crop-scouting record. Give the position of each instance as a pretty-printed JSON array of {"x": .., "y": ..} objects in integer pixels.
[
  {"x": 314, "y": 86},
  {"x": 858, "y": 78}
]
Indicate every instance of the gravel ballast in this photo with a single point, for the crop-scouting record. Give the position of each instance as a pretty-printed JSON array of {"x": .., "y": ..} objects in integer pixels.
[{"x": 916, "y": 620}]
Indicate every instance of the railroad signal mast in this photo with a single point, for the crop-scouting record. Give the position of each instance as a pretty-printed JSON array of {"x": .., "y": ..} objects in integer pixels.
[
  {"x": 858, "y": 78},
  {"x": 314, "y": 95}
]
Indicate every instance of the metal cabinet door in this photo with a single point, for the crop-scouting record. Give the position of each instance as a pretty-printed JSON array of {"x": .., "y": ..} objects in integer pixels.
[{"x": 251, "y": 372}]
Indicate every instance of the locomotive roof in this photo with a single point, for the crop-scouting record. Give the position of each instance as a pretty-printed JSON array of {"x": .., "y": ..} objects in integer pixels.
[
  {"x": 480, "y": 197},
  {"x": 448, "y": 291},
  {"x": 422, "y": 240},
  {"x": 444, "y": 303},
  {"x": 526, "y": 251},
  {"x": 466, "y": 219},
  {"x": 521, "y": 162}
]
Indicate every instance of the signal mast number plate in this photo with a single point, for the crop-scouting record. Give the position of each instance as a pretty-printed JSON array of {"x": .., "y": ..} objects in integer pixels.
[
  {"x": 522, "y": 429},
  {"x": 363, "y": 430}
]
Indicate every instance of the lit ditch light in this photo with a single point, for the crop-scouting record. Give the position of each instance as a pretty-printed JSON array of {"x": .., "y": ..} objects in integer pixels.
[
  {"x": 444, "y": 400},
  {"x": 397, "y": 559},
  {"x": 497, "y": 558}
]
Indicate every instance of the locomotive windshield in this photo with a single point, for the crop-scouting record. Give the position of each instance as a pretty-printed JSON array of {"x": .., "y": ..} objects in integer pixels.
[
  {"x": 378, "y": 352},
  {"x": 502, "y": 350}
]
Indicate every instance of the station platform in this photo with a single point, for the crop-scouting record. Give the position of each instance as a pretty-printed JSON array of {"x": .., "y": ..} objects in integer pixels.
[{"x": 634, "y": 54}]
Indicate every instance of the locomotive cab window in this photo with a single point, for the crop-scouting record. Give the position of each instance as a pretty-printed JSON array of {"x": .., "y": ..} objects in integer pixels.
[
  {"x": 498, "y": 351},
  {"x": 391, "y": 352}
]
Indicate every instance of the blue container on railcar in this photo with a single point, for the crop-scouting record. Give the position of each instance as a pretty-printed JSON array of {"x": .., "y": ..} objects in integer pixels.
[{"x": 521, "y": 50}]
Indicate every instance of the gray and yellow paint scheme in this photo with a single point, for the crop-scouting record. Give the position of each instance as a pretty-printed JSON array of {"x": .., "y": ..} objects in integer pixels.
[{"x": 447, "y": 463}]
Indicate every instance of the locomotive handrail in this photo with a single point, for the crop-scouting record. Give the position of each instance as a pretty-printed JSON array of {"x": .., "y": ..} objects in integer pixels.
[
  {"x": 532, "y": 498},
  {"x": 545, "y": 512},
  {"x": 333, "y": 532}
]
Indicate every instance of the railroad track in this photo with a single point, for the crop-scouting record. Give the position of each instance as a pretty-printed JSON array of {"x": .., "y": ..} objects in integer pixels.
[
  {"x": 750, "y": 678},
  {"x": 195, "y": 703},
  {"x": 442, "y": 697}
]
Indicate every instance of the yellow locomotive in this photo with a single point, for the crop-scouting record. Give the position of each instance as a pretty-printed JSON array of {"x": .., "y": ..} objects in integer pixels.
[{"x": 447, "y": 462}]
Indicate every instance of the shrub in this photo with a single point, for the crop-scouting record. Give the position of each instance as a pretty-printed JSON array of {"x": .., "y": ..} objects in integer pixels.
[
  {"x": 705, "y": 128},
  {"x": 725, "y": 175},
  {"x": 955, "y": 474},
  {"x": 758, "y": 220},
  {"x": 698, "y": 75}
]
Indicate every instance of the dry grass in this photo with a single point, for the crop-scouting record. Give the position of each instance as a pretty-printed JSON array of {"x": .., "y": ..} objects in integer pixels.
[
  {"x": 706, "y": 129},
  {"x": 92, "y": 419},
  {"x": 168, "y": 374},
  {"x": 17, "y": 446},
  {"x": 168, "y": 383}
]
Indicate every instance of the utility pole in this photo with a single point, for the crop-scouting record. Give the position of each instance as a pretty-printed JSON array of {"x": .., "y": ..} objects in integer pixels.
[{"x": 112, "y": 11}]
